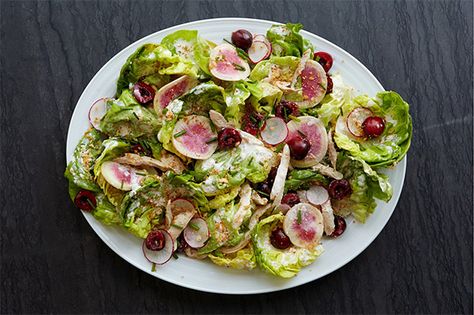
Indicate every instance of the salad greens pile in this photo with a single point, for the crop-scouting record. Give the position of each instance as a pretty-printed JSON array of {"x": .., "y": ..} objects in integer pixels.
[{"x": 250, "y": 152}]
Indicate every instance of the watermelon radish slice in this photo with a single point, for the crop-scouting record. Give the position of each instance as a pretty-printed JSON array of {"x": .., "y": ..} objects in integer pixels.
[
  {"x": 225, "y": 64},
  {"x": 355, "y": 119},
  {"x": 314, "y": 84},
  {"x": 120, "y": 176},
  {"x": 97, "y": 112},
  {"x": 161, "y": 256},
  {"x": 275, "y": 131},
  {"x": 193, "y": 137},
  {"x": 317, "y": 195},
  {"x": 259, "y": 51},
  {"x": 313, "y": 129},
  {"x": 172, "y": 91},
  {"x": 303, "y": 224},
  {"x": 196, "y": 233}
]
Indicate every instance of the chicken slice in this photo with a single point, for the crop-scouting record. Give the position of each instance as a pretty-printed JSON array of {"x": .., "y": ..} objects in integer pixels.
[
  {"x": 327, "y": 171},
  {"x": 328, "y": 217},
  {"x": 279, "y": 183},
  {"x": 166, "y": 162}
]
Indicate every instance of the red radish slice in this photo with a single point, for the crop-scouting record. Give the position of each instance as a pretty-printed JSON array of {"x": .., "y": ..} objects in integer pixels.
[
  {"x": 317, "y": 195},
  {"x": 259, "y": 51},
  {"x": 192, "y": 137},
  {"x": 275, "y": 131},
  {"x": 314, "y": 84},
  {"x": 303, "y": 224},
  {"x": 172, "y": 91},
  {"x": 260, "y": 37},
  {"x": 161, "y": 256},
  {"x": 356, "y": 118},
  {"x": 225, "y": 64},
  {"x": 196, "y": 233},
  {"x": 313, "y": 129},
  {"x": 97, "y": 112},
  {"x": 120, "y": 176}
]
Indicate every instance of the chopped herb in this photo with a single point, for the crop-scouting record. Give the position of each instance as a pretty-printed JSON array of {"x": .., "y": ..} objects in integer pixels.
[
  {"x": 194, "y": 226},
  {"x": 136, "y": 116},
  {"x": 301, "y": 133},
  {"x": 121, "y": 185},
  {"x": 317, "y": 58},
  {"x": 285, "y": 113},
  {"x": 164, "y": 111},
  {"x": 153, "y": 267},
  {"x": 279, "y": 147},
  {"x": 238, "y": 67},
  {"x": 141, "y": 174},
  {"x": 322, "y": 85},
  {"x": 262, "y": 193},
  {"x": 177, "y": 226},
  {"x": 213, "y": 128},
  {"x": 294, "y": 118},
  {"x": 260, "y": 124},
  {"x": 90, "y": 203},
  {"x": 211, "y": 140},
  {"x": 299, "y": 217},
  {"x": 242, "y": 54},
  {"x": 253, "y": 119},
  {"x": 179, "y": 134},
  {"x": 175, "y": 256},
  {"x": 251, "y": 160}
]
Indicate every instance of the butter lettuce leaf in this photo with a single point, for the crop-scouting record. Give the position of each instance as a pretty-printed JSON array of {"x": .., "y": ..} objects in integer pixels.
[
  {"x": 242, "y": 259},
  {"x": 286, "y": 40}
]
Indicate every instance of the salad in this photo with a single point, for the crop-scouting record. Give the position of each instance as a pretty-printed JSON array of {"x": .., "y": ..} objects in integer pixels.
[{"x": 250, "y": 152}]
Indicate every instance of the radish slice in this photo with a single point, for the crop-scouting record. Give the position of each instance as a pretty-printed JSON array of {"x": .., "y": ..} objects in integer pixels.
[
  {"x": 259, "y": 51},
  {"x": 303, "y": 224},
  {"x": 183, "y": 211},
  {"x": 275, "y": 131},
  {"x": 313, "y": 129},
  {"x": 120, "y": 176},
  {"x": 192, "y": 137},
  {"x": 181, "y": 205},
  {"x": 172, "y": 91},
  {"x": 196, "y": 233},
  {"x": 260, "y": 37},
  {"x": 97, "y": 112},
  {"x": 314, "y": 84},
  {"x": 356, "y": 118},
  {"x": 225, "y": 64},
  {"x": 161, "y": 256},
  {"x": 317, "y": 195}
]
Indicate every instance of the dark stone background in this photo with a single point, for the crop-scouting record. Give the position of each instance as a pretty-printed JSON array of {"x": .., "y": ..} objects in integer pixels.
[{"x": 52, "y": 261}]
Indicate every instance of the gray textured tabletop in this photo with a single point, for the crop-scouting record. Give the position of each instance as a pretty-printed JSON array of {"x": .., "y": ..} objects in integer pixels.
[{"x": 53, "y": 262}]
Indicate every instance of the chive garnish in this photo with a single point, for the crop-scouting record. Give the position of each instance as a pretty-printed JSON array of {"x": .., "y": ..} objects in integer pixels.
[
  {"x": 141, "y": 174},
  {"x": 153, "y": 267},
  {"x": 179, "y": 134},
  {"x": 175, "y": 256},
  {"x": 317, "y": 58},
  {"x": 251, "y": 160},
  {"x": 253, "y": 119},
  {"x": 299, "y": 217},
  {"x": 194, "y": 226},
  {"x": 262, "y": 193},
  {"x": 90, "y": 203},
  {"x": 177, "y": 226},
  {"x": 321, "y": 85},
  {"x": 121, "y": 185},
  {"x": 301, "y": 133},
  {"x": 238, "y": 67},
  {"x": 136, "y": 116},
  {"x": 240, "y": 52},
  {"x": 260, "y": 124},
  {"x": 294, "y": 118},
  {"x": 211, "y": 140}
]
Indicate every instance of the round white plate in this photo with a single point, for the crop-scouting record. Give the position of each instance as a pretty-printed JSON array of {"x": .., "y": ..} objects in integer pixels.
[{"x": 203, "y": 275}]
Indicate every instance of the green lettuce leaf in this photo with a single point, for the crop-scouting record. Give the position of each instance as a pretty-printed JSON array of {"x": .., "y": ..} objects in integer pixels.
[
  {"x": 111, "y": 149},
  {"x": 284, "y": 263},
  {"x": 79, "y": 170},
  {"x": 105, "y": 212},
  {"x": 393, "y": 144},
  {"x": 287, "y": 41},
  {"x": 303, "y": 179},
  {"x": 242, "y": 259},
  {"x": 221, "y": 200},
  {"x": 202, "y": 98},
  {"x": 193, "y": 189}
]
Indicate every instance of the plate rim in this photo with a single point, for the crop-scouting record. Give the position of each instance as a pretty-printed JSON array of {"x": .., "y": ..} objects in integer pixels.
[{"x": 402, "y": 164}]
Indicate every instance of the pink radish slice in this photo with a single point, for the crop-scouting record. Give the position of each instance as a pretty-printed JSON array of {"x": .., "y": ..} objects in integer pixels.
[
  {"x": 313, "y": 129},
  {"x": 259, "y": 51},
  {"x": 225, "y": 64},
  {"x": 97, "y": 112},
  {"x": 303, "y": 224},
  {"x": 356, "y": 118},
  {"x": 161, "y": 256},
  {"x": 120, "y": 176},
  {"x": 260, "y": 37},
  {"x": 275, "y": 131},
  {"x": 181, "y": 205},
  {"x": 172, "y": 91},
  {"x": 196, "y": 233},
  {"x": 192, "y": 137},
  {"x": 317, "y": 195},
  {"x": 314, "y": 84}
]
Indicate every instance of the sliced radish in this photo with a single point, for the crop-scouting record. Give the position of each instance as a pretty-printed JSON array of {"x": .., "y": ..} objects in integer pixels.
[
  {"x": 275, "y": 131},
  {"x": 317, "y": 195},
  {"x": 303, "y": 224},
  {"x": 260, "y": 37},
  {"x": 97, "y": 112},
  {"x": 172, "y": 91},
  {"x": 183, "y": 211},
  {"x": 225, "y": 64},
  {"x": 181, "y": 205},
  {"x": 196, "y": 233},
  {"x": 355, "y": 119},
  {"x": 314, "y": 84},
  {"x": 259, "y": 51},
  {"x": 313, "y": 129},
  {"x": 192, "y": 137},
  {"x": 120, "y": 176},
  {"x": 161, "y": 256}
]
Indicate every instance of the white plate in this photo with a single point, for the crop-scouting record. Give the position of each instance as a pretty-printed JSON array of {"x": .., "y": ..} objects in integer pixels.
[{"x": 203, "y": 275}]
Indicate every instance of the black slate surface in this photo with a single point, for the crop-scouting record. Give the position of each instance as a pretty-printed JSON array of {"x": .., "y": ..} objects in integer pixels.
[{"x": 52, "y": 261}]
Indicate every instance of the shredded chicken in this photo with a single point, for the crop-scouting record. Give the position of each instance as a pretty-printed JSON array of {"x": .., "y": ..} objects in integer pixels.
[
  {"x": 179, "y": 222},
  {"x": 327, "y": 170},
  {"x": 166, "y": 162},
  {"x": 279, "y": 184},
  {"x": 328, "y": 217},
  {"x": 258, "y": 200},
  {"x": 168, "y": 216},
  {"x": 219, "y": 120},
  {"x": 300, "y": 67},
  {"x": 332, "y": 153},
  {"x": 244, "y": 206}
]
